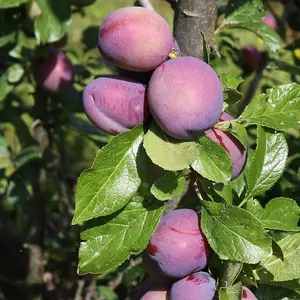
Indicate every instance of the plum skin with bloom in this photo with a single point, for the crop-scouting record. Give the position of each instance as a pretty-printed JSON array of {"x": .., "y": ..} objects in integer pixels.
[
  {"x": 55, "y": 73},
  {"x": 177, "y": 248},
  {"x": 185, "y": 97},
  {"x": 247, "y": 294},
  {"x": 135, "y": 38},
  {"x": 115, "y": 104},
  {"x": 234, "y": 148},
  {"x": 196, "y": 286}
]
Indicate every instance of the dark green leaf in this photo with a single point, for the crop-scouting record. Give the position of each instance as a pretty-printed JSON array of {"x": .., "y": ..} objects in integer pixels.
[
  {"x": 213, "y": 161},
  {"x": 168, "y": 186},
  {"x": 230, "y": 85},
  {"x": 272, "y": 268},
  {"x": 167, "y": 152},
  {"x": 234, "y": 234},
  {"x": 268, "y": 292},
  {"x": 112, "y": 180},
  {"x": 280, "y": 213},
  {"x": 52, "y": 24},
  {"x": 233, "y": 292},
  {"x": 279, "y": 108},
  {"x": 110, "y": 240},
  {"x": 230, "y": 272},
  {"x": 268, "y": 162}
]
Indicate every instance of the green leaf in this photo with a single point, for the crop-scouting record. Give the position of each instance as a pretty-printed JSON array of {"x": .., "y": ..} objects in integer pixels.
[
  {"x": 268, "y": 162},
  {"x": 249, "y": 17},
  {"x": 272, "y": 268},
  {"x": 113, "y": 179},
  {"x": 217, "y": 192},
  {"x": 169, "y": 186},
  {"x": 107, "y": 292},
  {"x": 5, "y": 86},
  {"x": 230, "y": 272},
  {"x": 15, "y": 73},
  {"x": 167, "y": 152},
  {"x": 27, "y": 155},
  {"x": 213, "y": 161},
  {"x": 230, "y": 85},
  {"x": 4, "y": 153},
  {"x": 233, "y": 292},
  {"x": 268, "y": 292},
  {"x": 111, "y": 240},
  {"x": 279, "y": 108},
  {"x": 284, "y": 66},
  {"x": 238, "y": 185},
  {"x": 280, "y": 213},
  {"x": 52, "y": 24},
  {"x": 236, "y": 129},
  {"x": 234, "y": 234},
  {"x": 11, "y": 3}
]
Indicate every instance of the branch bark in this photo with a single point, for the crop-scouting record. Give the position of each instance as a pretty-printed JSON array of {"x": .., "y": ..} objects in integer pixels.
[{"x": 192, "y": 17}]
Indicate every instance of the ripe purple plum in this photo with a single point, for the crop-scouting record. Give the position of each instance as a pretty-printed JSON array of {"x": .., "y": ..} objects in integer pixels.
[
  {"x": 149, "y": 290},
  {"x": 115, "y": 104},
  {"x": 270, "y": 20},
  {"x": 156, "y": 294},
  {"x": 247, "y": 294},
  {"x": 251, "y": 58},
  {"x": 234, "y": 148},
  {"x": 135, "y": 38},
  {"x": 55, "y": 73},
  {"x": 194, "y": 287},
  {"x": 177, "y": 248},
  {"x": 185, "y": 97}
]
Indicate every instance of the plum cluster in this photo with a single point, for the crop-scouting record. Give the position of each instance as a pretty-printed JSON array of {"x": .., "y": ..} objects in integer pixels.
[
  {"x": 175, "y": 258},
  {"x": 182, "y": 94}
]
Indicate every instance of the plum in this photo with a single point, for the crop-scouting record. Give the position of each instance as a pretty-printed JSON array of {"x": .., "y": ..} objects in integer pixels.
[
  {"x": 251, "y": 58},
  {"x": 247, "y": 294},
  {"x": 55, "y": 73},
  {"x": 149, "y": 290},
  {"x": 185, "y": 97},
  {"x": 194, "y": 287},
  {"x": 135, "y": 38},
  {"x": 115, "y": 104},
  {"x": 231, "y": 145},
  {"x": 177, "y": 248},
  {"x": 270, "y": 20}
]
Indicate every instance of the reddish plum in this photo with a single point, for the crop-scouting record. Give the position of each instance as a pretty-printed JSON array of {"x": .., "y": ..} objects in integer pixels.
[
  {"x": 251, "y": 58},
  {"x": 115, "y": 104},
  {"x": 54, "y": 73},
  {"x": 247, "y": 294},
  {"x": 178, "y": 246},
  {"x": 194, "y": 287},
  {"x": 135, "y": 38},
  {"x": 270, "y": 20},
  {"x": 231, "y": 145},
  {"x": 185, "y": 97}
]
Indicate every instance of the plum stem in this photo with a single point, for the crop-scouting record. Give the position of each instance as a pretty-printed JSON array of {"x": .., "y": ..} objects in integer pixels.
[{"x": 146, "y": 4}]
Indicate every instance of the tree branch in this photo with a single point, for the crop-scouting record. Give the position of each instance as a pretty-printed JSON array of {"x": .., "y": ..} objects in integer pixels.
[{"x": 192, "y": 17}]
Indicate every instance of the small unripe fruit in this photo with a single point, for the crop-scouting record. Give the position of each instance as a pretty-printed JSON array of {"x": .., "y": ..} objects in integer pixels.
[{"x": 55, "y": 73}]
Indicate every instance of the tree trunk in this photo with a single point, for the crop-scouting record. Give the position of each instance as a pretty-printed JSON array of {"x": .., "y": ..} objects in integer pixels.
[{"x": 192, "y": 17}]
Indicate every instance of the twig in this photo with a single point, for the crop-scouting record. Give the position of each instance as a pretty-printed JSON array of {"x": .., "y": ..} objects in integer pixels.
[{"x": 146, "y": 4}]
